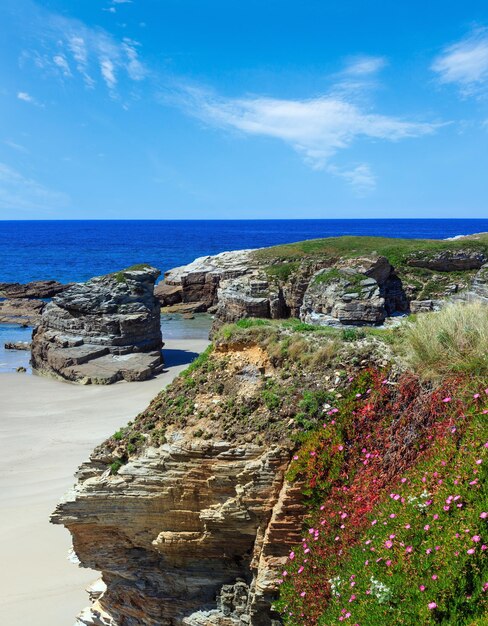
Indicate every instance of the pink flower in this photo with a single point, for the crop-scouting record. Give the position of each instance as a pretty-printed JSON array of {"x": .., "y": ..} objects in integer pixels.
[
  {"x": 470, "y": 551},
  {"x": 300, "y": 569},
  {"x": 476, "y": 538},
  {"x": 484, "y": 515},
  {"x": 434, "y": 577},
  {"x": 388, "y": 544},
  {"x": 432, "y": 605},
  {"x": 292, "y": 555},
  {"x": 388, "y": 562},
  {"x": 352, "y": 598},
  {"x": 476, "y": 396},
  {"x": 303, "y": 594},
  {"x": 426, "y": 527},
  {"x": 422, "y": 587},
  {"x": 448, "y": 399},
  {"x": 409, "y": 549}
]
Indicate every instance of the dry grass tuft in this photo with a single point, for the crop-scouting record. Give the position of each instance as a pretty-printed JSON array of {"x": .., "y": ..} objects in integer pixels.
[{"x": 451, "y": 341}]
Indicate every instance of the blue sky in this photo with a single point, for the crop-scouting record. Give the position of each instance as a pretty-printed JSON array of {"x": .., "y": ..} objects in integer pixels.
[{"x": 260, "y": 109}]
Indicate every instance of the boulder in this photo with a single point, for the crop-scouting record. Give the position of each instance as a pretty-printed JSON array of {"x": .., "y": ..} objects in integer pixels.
[
  {"x": 35, "y": 289},
  {"x": 102, "y": 331}
]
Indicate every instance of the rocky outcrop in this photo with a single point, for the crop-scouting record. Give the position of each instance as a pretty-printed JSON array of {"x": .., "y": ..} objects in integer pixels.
[
  {"x": 185, "y": 534},
  {"x": 23, "y": 311},
  {"x": 363, "y": 291},
  {"x": 17, "y": 345},
  {"x": 448, "y": 260},
  {"x": 36, "y": 289},
  {"x": 480, "y": 283},
  {"x": 358, "y": 291},
  {"x": 101, "y": 331},
  {"x": 262, "y": 283},
  {"x": 198, "y": 282}
]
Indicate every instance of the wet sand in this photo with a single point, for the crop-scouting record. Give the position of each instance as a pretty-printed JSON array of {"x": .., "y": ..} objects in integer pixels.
[{"x": 47, "y": 429}]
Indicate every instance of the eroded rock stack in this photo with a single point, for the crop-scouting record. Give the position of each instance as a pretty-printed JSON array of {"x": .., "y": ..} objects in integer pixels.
[{"x": 102, "y": 331}]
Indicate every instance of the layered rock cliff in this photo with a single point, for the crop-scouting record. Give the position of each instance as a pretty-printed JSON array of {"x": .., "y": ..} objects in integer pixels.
[
  {"x": 101, "y": 331},
  {"x": 186, "y": 512}
]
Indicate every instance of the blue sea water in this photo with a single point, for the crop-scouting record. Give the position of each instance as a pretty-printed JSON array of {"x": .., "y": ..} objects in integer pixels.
[{"x": 77, "y": 250}]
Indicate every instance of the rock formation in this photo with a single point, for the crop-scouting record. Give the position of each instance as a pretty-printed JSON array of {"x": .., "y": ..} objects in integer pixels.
[
  {"x": 36, "y": 289},
  {"x": 23, "y": 311},
  {"x": 336, "y": 287},
  {"x": 195, "y": 526},
  {"x": 101, "y": 331},
  {"x": 197, "y": 282}
]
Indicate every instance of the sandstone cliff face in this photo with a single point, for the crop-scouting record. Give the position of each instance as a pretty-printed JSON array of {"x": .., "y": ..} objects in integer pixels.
[
  {"x": 101, "y": 331},
  {"x": 196, "y": 525},
  {"x": 179, "y": 523}
]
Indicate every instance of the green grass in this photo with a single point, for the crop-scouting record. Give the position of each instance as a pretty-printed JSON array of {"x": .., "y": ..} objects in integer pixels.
[
  {"x": 282, "y": 271},
  {"x": 397, "y": 251}
]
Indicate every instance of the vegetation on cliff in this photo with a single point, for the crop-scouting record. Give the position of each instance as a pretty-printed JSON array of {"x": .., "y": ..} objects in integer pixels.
[
  {"x": 388, "y": 438},
  {"x": 397, "y": 483}
]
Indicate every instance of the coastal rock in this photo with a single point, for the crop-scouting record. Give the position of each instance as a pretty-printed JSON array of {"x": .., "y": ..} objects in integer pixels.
[
  {"x": 193, "y": 532},
  {"x": 36, "y": 289},
  {"x": 361, "y": 291},
  {"x": 199, "y": 280},
  {"x": 23, "y": 311},
  {"x": 102, "y": 331},
  {"x": 480, "y": 282},
  {"x": 449, "y": 260},
  {"x": 18, "y": 345}
]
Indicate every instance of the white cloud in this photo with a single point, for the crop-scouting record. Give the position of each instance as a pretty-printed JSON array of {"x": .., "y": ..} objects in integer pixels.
[
  {"x": 19, "y": 192},
  {"x": 107, "y": 70},
  {"x": 16, "y": 146},
  {"x": 77, "y": 50},
  {"x": 365, "y": 65},
  {"x": 465, "y": 63},
  {"x": 317, "y": 128},
  {"x": 25, "y": 97},
  {"x": 62, "y": 63}
]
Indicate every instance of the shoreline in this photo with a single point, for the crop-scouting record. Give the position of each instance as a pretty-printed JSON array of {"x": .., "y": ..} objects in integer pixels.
[{"x": 47, "y": 429}]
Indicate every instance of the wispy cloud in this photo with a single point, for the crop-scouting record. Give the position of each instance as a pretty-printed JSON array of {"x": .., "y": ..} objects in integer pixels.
[
  {"x": 92, "y": 54},
  {"x": 316, "y": 128},
  {"x": 19, "y": 192},
  {"x": 364, "y": 65},
  {"x": 465, "y": 63},
  {"x": 25, "y": 97},
  {"x": 16, "y": 146}
]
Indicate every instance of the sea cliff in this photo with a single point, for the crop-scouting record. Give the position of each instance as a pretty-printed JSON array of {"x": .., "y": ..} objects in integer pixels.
[{"x": 251, "y": 490}]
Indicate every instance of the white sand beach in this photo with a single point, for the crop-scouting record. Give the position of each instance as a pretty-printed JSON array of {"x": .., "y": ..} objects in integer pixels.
[{"x": 47, "y": 429}]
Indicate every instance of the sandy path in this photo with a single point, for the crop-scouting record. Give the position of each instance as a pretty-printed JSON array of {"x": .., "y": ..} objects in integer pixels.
[{"x": 47, "y": 428}]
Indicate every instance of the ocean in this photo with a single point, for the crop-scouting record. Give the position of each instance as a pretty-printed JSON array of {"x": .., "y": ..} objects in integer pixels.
[
  {"x": 77, "y": 250},
  {"x": 71, "y": 251}
]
